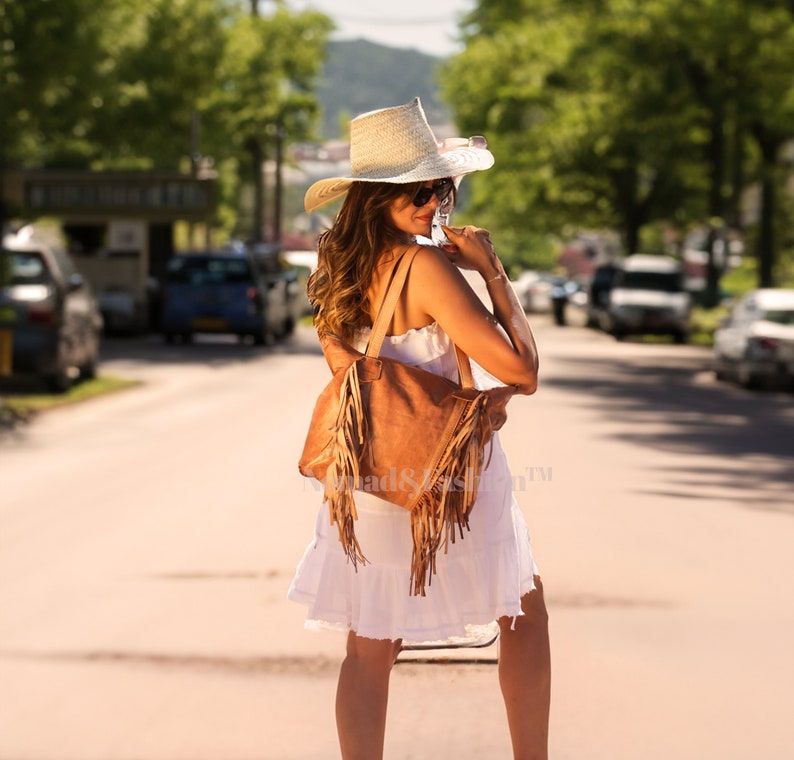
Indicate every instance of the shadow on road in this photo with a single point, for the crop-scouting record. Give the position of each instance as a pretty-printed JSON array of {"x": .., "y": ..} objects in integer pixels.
[
  {"x": 237, "y": 665},
  {"x": 675, "y": 406},
  {"x": 206, "y": 349}
]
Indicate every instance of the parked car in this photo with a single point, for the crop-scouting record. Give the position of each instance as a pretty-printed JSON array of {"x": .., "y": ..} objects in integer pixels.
[
  {"x": 284, "y": 285},
  {"x": 598, "y": 294},
  {"x": 755, "y": 344},
  {"x": 647, "y": 296},
  {"x": 534, "y": 290},
  {"x": 51, "y": 312},
  {"x": 522, "y": 284},
  {"x": 218, "y": 292},
  {"x": 304, "y": 262}
]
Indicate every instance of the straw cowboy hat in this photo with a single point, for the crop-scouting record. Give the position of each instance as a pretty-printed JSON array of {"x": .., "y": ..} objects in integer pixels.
[{"x": 397, "y": 145}]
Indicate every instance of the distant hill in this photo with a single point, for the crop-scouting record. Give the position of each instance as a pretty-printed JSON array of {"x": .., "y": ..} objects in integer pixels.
[{"x": 361, "y": 76}]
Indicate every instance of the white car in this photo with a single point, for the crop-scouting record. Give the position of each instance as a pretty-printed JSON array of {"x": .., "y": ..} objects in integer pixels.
[
  {"x": 755, "y": 344},
  {"x": 534, "y": 290},
  {"x": 648, "y": 297}
]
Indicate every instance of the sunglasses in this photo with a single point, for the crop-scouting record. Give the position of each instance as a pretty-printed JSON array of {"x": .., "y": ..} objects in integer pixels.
[{"x": 442, "y": 191}]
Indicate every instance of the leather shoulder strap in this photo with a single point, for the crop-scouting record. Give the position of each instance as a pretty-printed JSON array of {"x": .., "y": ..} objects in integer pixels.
[
  {"x": 386, "y": 312},
  {"x": 464, "y": 368}
]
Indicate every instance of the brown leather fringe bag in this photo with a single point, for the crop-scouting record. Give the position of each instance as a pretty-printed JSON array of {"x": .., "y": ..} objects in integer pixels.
[{"x": 405, "y": 434}]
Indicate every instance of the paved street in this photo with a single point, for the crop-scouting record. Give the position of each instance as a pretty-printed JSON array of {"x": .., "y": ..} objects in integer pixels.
[{"x": 147, "y": 539}]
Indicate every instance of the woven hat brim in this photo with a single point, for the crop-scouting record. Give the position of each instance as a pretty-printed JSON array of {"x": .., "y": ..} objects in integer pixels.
[{"x": 451, "y": 163}]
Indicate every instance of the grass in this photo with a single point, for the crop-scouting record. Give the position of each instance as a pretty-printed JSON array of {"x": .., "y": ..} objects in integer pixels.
[
  {"x": 22, "y": 402},
  {"x": 733, "y": 285},
  {"x": 704, "y": 322}
]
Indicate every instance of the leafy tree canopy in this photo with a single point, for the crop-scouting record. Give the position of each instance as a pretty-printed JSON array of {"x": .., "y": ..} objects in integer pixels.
[
  {"x": 120, "y": 83},
  {"x": 608, "y": 113}
]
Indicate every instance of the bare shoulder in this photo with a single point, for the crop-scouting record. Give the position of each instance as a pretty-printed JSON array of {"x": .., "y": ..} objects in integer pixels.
[
  {"x": 438, "y": 288},
  {"x": 433, "y": 266}
]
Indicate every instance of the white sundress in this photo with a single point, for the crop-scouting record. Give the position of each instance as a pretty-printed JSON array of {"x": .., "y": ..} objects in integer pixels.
[{"x": 480, "y": 578}]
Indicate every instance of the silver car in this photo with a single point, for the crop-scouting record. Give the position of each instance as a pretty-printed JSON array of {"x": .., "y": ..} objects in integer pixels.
[
  {"x": 755, "y": 344},
  {"x": 49, "y": 311}
]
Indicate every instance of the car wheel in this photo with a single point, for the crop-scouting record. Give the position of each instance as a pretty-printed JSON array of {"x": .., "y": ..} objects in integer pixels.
[
  {"x": 680, "y": 338},
  {"x": 89, "y": 370},
  {"x": 746, "y": 378},
  {"x": 264, "y": 338},
  {"x": 287, "y": 328},
  {"x": 59, "y": 382}
]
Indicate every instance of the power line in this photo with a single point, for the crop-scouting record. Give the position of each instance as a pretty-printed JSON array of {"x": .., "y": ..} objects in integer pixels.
[{"x": 380, "y": 21}]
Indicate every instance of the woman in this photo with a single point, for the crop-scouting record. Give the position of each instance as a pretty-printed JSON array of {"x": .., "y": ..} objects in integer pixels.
[{"x": 400, "y": 176}]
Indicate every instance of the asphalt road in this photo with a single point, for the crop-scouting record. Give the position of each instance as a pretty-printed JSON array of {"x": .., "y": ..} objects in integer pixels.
[{"x": 147, "y": 540}]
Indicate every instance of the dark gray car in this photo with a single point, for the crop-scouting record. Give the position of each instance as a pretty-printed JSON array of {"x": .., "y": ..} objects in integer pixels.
[{"x": 51, "y": 313}]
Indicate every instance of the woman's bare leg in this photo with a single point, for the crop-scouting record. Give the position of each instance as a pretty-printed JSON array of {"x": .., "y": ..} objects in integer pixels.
[
  {"x": 362, "y": 695},
  {"x": 525, "y": 676}
]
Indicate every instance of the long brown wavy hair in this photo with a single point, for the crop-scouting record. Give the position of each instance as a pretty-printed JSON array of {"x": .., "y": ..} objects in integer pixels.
[{"x": 349, "y": 252}]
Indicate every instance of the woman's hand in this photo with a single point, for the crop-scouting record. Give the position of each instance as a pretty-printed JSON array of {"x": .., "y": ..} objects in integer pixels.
[
  {"x": 473, "y": 250},
  {"x": 499, "y": 339},
  {"x": 497, "y": 404}
]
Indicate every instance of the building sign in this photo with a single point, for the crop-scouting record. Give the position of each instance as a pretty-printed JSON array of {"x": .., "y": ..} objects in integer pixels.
[
  {"x": 126, "y": 236},
  {"x": 175, "y": 197}
]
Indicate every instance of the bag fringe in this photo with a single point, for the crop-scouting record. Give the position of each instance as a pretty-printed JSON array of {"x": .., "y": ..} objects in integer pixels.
[
  {"x": 450, "y": 490},
  {"x": 343, "y": 473},
  {"x": 444, "y": 508}
]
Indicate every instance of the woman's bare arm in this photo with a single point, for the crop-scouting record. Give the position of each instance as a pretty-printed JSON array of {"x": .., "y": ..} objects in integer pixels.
[{"x": 439, "y": 289}]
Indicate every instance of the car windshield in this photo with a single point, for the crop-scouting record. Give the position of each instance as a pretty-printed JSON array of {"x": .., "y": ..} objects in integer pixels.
[
  {"x": 780, "y": 316},
  {"x": 667, "y": 282},
  {"x": 23, "y": 268},
  {"x": 209, "y": 270}
]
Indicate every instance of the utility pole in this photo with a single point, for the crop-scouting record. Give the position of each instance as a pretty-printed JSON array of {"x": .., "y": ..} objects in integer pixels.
[
  {"x": 257, "y": 154},
  {"x": 279, "y": 183}
]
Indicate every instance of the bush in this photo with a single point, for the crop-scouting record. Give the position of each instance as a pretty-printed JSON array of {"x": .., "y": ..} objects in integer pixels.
[{"x": 704, "y": 322}]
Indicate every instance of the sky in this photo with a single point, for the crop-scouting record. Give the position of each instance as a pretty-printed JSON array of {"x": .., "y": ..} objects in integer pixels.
[{"x": 430, "y": 27}]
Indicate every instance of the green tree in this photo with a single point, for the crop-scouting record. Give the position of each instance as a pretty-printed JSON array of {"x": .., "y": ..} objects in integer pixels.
[
  {"x": 163, "y": 72},
  {"x": 769, "y": 118},
  {"x": 107, "y": 82},
  {"x": 51, "y": 59},
  {"x": 576, "y": 127},
  {"x": 123, "y": 83},
  {"x": 606, "y": 112},
  {"x": 265, "y": 91},
  {"x": 739, "y": 65}
]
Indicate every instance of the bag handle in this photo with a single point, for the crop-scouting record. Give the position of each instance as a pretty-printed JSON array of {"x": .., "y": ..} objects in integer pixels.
[{"x": 386, "y": 312}]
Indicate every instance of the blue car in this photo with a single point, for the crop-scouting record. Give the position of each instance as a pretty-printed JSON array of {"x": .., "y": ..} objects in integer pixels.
[{"x": 216, "y": 292}]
